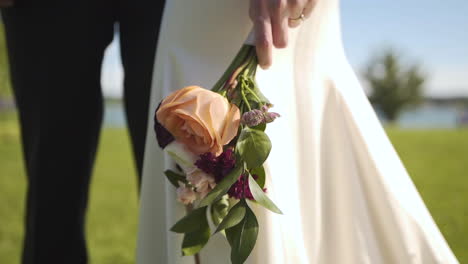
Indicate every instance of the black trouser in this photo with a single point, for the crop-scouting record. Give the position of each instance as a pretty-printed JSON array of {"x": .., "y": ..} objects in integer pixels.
[{"x": 55, "y": 51}]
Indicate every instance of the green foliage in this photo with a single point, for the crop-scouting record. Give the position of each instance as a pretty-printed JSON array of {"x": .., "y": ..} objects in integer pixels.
[
  {"x": 243, "y": 236},
  {"x": 260, "y": 127},
  {"x": 253, "y": 146},
  {"x": 174, "y": 177},
  {"x": 234, "y": 216},
  {"x": 261, "y": 175},
  {"x": 222, "y": 187},
  {"x": 196, "y": 231},
  {"x": 195, "y": 240},
  {"x": 261, "y": 198},
  {"x": 191, "y": 221},
  {"x": 393, "y": 86},
  {"x": 253, "y": 94},
  {"x": 219, "y": 210}
]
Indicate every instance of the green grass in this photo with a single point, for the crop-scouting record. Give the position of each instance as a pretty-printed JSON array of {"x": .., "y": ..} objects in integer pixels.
[
  {"x": 437, "y": 161},
  {"x": 112, "y": 214}
]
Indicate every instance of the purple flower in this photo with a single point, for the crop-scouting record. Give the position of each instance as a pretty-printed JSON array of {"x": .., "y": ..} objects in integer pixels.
[
  {"x": 271, "y": 116},
  {"x": 256, "y": 117},
  {"x": 266, "y": 107},
  {"x": 252, "y": 118}
]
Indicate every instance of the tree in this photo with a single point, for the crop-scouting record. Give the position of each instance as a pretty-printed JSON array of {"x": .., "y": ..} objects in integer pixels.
[{"x": 393, "y": 86}]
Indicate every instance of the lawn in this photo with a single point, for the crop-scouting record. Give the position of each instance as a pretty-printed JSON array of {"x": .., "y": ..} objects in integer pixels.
[
  {"x": 112, "y": 217},
  {"x": 436, "y": 159}
]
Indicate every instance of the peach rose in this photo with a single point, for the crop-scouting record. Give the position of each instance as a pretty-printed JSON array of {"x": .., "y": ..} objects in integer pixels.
[{"x": 201, "y": 119}]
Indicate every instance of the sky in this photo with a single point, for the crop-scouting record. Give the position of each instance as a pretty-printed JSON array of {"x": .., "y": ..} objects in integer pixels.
[{"x": 433, "y": 33}]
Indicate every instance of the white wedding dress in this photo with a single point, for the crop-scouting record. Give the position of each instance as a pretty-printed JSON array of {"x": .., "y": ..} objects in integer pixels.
[{"x": 345, "y": 194}]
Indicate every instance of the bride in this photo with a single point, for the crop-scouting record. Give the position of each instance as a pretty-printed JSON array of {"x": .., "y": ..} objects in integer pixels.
[{"x": 345, "y": 194}]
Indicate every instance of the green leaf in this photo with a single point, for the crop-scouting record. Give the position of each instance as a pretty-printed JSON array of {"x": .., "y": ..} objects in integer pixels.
[
  {"x": 175, "y": 177},
  {"x": 219, "y": 210},
  {"x": 230, "y": 235},
  {"x": 253, "y": 146},
  {"x": 243, "y": 237},
  {"x": 261, "y": 198},
  {"x": 260, "y": 127},
  {"x": 191, "y": 222},
  {"x": 260, "y": 172},
  {"x": 235, "y": 215},
  {"x": 223, "y": 187},
  {"x": 196, "y": 229},
  {"x": 254, "y": 100},
  {"x": 193, "y": 242}
]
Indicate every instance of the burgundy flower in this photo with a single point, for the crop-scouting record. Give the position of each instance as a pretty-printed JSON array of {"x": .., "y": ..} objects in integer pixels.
[
  {"x": 240, "y": 189},
  {"x": 163, "y": 136},
  {"x": 220, "y": 167},
  {"x": 226, "y": 162},
  {"x": 207, "y": 163}
]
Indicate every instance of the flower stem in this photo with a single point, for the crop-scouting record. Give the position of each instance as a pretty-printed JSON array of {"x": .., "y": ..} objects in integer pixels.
[
  {"x": 240, "y": 58},
  {"x": 245, "y": 98},
  {"x": 252, "y": 66},
  {"x": 197, "y": 258},
  {"x": 233, "y": 76},
  {"x": 188, "y": 209},
  {"x": 253, "y": 93}
]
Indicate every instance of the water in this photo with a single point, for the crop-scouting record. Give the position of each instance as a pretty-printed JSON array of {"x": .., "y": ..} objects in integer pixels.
[
  {"x": 430, "y": 117},
  {"x": 423, "y": 117},
  {"x": 114, "y": 116}
]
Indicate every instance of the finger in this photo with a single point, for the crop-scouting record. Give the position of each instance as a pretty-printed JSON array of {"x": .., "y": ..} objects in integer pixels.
[
  {"x": 260, "y": 16},
  {"x": 263, "y": 42},
  {"x": 295, "y": 9},
  {"x": 279, "y": 23},
  {"x": 309, "y": 7}
]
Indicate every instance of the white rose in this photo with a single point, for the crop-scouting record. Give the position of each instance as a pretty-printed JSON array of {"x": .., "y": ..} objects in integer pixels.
[{"x": 181, "y": 155}]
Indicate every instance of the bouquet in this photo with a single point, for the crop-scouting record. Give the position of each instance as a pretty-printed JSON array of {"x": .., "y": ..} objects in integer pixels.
[{"x": 217, "y": 140}]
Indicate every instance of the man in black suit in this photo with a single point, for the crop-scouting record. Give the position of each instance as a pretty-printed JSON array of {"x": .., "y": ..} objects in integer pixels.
[{"x": 55, "y": 52}]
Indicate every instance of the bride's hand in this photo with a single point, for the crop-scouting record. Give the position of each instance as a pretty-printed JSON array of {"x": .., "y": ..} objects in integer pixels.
[{"x": 271, "y": 19}]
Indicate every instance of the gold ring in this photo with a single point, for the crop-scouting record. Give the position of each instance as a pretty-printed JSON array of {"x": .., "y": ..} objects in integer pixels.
[{"x": 301, "y": 17}]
